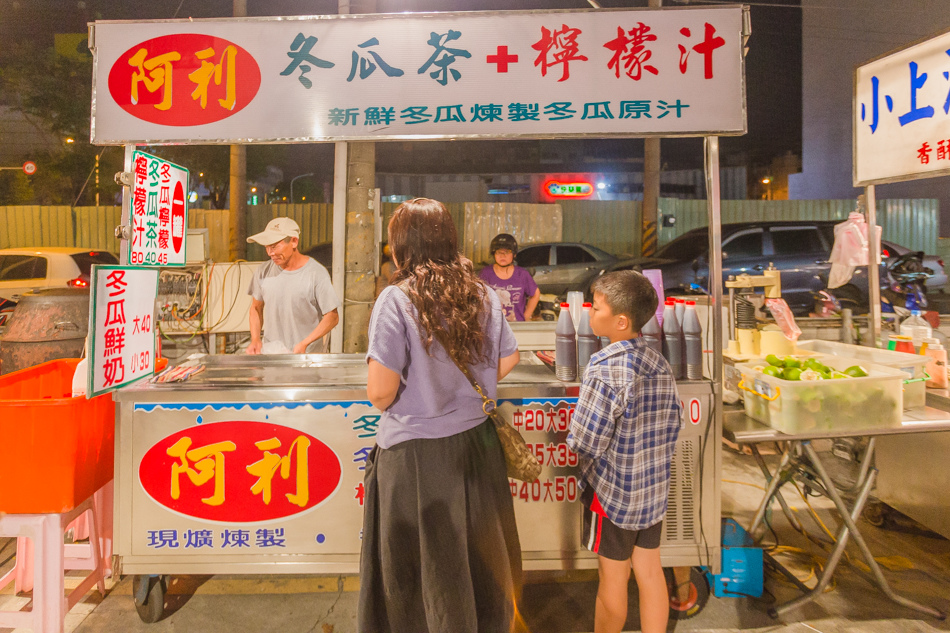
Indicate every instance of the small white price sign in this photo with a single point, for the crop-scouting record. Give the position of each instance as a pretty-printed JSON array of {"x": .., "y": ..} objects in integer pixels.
[{"x": 122, "y": 317}]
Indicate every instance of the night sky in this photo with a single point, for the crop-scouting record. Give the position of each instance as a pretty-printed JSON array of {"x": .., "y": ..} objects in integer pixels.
[{"x": 773, "y": 65}]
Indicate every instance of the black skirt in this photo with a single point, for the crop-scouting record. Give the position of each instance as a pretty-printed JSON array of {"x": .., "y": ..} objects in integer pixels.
[{"x": 440, "y": 545}]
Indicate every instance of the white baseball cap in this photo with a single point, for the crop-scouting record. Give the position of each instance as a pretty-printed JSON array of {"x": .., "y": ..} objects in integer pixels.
[{"x": 276, "y": 230}]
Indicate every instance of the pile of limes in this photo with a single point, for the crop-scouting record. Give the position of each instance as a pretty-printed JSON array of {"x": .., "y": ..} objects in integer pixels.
[{"x": 792, "y": 368}]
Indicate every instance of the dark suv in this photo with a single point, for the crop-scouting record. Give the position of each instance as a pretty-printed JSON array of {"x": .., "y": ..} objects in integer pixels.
[{"x": 800, "y": 250}]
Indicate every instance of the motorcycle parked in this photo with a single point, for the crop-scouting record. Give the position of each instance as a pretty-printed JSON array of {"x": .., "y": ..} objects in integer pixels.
[{"x": 904, "y": 282}]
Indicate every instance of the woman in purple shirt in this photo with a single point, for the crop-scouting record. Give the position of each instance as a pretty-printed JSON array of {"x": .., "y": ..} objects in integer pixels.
[
  {"x": 440, "y": 544},
  {"x": 515, "y": 287}
]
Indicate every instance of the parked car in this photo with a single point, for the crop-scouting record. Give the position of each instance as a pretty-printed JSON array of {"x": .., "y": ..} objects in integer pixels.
[
  {"x": 26, "y": 269},
  {"x": 558, "y": 266},
  {"x": 800, "y": 250}
]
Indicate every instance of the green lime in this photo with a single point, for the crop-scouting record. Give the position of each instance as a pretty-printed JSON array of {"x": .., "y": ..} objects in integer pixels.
[
  {"x": 774, "y": 360},
  {"x": 792, "y": 373},
  {"x": 856, "y": 371},
  {"x": 839, "y": 375},
  {"x": 770, "y": 370},
  {"x": 791, "y": 361}
]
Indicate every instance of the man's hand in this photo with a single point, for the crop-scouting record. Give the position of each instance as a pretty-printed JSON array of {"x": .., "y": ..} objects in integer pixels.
[
  {"x": 255, "y": 347},
  {"x": 301, "y": 348}
]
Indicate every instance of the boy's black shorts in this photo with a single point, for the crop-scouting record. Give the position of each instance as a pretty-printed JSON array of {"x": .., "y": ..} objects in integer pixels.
[{"x": 606, "y": 539}]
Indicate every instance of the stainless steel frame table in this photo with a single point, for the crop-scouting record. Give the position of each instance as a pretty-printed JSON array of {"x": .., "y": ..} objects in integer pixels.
[{"x": 800, "y": 461}]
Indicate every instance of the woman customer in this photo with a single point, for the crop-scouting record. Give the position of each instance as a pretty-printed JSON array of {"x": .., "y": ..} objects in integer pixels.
[{"x": 440, "y": 545}]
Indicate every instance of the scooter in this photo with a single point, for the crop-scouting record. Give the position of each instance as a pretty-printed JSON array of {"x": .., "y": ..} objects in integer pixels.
[{"x": 905, "y": 277}]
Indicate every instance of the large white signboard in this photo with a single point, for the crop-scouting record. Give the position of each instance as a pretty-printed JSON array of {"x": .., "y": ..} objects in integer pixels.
[
  {"x": 410, "y": 76},
  {"x": 159, "y": 213},
  {"x": 902, "y": 114},
  {"x": 123, "y": 321}
]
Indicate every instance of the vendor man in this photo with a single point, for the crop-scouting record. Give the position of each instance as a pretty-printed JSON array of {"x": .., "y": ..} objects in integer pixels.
[{"x": 292, "y": 296}]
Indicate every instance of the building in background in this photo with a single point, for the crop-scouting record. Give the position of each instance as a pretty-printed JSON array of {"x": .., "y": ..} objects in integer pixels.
[{"x": 837, "y": 37}]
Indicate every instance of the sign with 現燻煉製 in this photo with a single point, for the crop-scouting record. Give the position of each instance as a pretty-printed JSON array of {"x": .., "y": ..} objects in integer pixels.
[
  {"x": 517, "y": 74},
  {"x": 122, "y": 326},
  {"x": 901, "y": 115}
]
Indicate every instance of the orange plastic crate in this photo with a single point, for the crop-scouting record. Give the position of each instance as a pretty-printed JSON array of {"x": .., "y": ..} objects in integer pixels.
[{"x": 55, "y": 450}]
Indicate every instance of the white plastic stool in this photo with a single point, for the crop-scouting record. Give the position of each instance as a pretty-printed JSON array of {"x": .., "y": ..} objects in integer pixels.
[
  {"x": 102, "y": 505},
  {"x": 50, "y": 562}
]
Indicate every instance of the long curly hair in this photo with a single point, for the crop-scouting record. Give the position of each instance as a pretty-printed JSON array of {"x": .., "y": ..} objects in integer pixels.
[{"x": 442, "y": 285}]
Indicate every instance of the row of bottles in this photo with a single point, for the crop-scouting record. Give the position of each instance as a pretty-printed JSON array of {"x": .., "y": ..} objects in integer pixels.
[
  {"x": 680, "y": 341},
  {"x": 573, "y": 348}
]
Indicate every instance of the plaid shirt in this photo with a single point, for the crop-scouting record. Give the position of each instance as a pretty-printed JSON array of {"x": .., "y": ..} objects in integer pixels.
[{"x": 624, "y": 429}]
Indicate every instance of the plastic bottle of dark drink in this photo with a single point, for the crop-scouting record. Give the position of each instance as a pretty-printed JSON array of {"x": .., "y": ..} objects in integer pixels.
[
  {"x": 565, "y": 346},
  {"x": 693, "y": 342},
  {"x": 680, "y": 310},
  {"x": 588, "y": 343},
  {"x": 653, "y": 335},
  {"x": 673, "y": 339}
]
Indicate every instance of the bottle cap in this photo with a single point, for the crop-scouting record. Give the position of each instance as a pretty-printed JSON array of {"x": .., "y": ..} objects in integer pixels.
[
  {"x": 671, "y": 301},
  {"x": 690, "y": 303},
  {"x": 587, "y": 305},
  {"x": 678, "y": 300},
  {"x": 565, "y": 304}
]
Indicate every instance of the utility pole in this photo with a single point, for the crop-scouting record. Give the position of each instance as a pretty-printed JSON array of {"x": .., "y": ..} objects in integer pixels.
[
  {"x": 651, "y": 185},
  {"x": 238, "y": 172},
  {"x": 359, "y": 279}
]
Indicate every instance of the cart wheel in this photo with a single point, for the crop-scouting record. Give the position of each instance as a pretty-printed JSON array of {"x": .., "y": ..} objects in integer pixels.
[
  {"x": 876, "y": 513},
  {"x": 698, "y": 594},
  {"x": 152, "y": 608}
]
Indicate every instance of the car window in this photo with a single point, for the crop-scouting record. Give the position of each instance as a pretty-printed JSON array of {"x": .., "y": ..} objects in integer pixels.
[
  {"x": 743, "y": 245},
  {"x": 85, "y": 260},
  {"x": 573, "y": 255},
  {"x": 686, "y": 247},
  {"x": 17, "y": 267},
  {"x": 533, "y": 256},
  {"x": 796, "y": 241}
]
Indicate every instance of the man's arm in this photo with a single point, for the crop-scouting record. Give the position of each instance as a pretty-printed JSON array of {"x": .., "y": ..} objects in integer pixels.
[
  {"x": 532, "y": 304},
  {"x": 255, "y": 320},
  {"x": 327, "y": 323}
]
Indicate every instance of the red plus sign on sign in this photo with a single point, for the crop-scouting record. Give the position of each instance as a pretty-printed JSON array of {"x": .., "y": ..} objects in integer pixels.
[{"x": 502, "y": 59}]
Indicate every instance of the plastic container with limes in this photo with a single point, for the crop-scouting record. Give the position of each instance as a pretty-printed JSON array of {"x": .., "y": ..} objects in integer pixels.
[
  {"x": 913, "y": 365},
  {"x": 825, "y": 406}
]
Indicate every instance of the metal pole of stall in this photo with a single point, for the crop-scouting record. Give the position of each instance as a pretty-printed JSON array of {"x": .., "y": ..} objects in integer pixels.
[
  {"x": 124, "y": 230},
  {"x": 874, "y": 268},
  {"x": 713, "y": 206},
  {"x": 339, "y": 239}
]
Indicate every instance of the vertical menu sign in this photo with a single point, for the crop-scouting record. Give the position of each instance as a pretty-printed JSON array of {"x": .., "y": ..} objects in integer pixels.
[
  {"x": 159, "y": 214},
  {"x": 122, "y": 316}
]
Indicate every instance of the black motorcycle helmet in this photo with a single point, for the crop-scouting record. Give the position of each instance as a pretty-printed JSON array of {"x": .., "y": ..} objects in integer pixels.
[{"x": 504, "y": 241}]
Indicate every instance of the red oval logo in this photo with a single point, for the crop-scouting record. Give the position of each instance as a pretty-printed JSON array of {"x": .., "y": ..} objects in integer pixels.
[
  {"x": 184, "y": 79},
  {"x": 178, "y": 217},
  {"x": 240, "y": 472}
]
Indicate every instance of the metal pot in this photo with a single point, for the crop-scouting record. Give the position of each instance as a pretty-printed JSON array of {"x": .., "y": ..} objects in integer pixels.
[{"x": 45, "y": 325}]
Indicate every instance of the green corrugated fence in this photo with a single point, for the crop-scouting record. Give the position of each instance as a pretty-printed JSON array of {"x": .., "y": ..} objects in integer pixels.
[{"x": 609, "y": 225}]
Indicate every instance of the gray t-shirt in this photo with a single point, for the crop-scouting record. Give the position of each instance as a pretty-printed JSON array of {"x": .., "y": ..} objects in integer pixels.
[
  {"x": 294, "y": 302},
  {"x": 434, "y": 399}
]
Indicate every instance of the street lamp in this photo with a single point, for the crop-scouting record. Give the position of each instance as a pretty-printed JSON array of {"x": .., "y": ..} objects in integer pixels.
[
  {"x": 292, "y": 200},
  {"x": 768, "y": 182}
]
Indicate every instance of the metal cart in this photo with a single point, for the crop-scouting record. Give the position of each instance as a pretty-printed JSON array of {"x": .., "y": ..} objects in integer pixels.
[{"x": 255, "y": 466}]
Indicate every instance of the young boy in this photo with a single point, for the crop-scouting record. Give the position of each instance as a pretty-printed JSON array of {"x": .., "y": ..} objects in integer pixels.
[{"x": 624, "y": 429}]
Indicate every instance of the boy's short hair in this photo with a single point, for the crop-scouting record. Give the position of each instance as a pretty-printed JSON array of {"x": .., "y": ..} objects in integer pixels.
[{"x": 629, "y": 293}]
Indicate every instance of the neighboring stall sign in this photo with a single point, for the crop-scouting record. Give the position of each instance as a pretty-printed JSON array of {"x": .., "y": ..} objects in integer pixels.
[
  {"x": 159, "y": 213},
  {"x": 122, "y": 321},
  {"x": 409, "y": 76},
  {"x": 29, "y": 168},
  {"x": 902, "y": 114}
]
